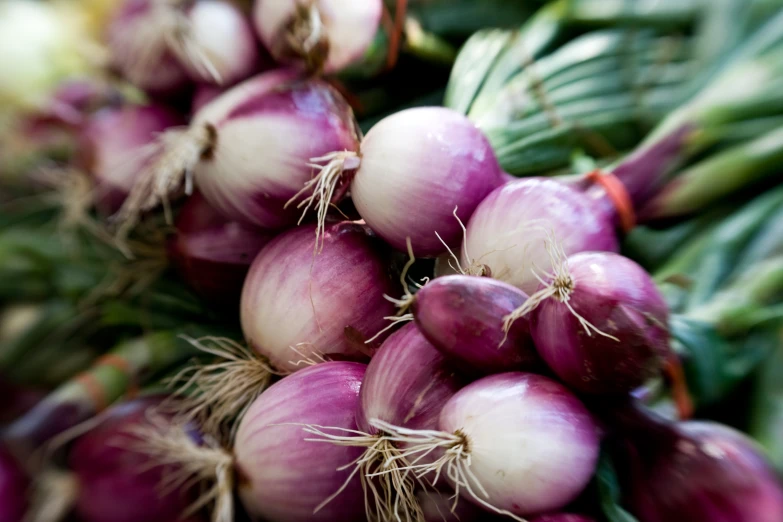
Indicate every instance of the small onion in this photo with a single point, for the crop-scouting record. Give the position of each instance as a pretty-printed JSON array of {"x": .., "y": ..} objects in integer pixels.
[
  {"x": 508, "y": 230},
  {"x": 116, "y": 480},
  {"x": 603, "y": 327},
  {"x": 13, "y": 488},
  {"x": 116, "y": 144},
  {"x": 463, "y": 317},
  {"x": 417, "y": 174},
  {"x": 297, "y": 305},
  {"x": 212, "y": 254},
  {"x": 323, "y": 35},
  {"x": 282, "y": 476},
  {"x": 161, "y": 45},
  {"x": 514, "y": 443},
  {"x": 698, "y": 471}
]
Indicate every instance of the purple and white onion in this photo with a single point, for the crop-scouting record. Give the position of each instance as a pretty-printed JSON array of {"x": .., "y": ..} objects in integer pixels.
[
  {"x": 297, "y": 306},
  {"x": 284, "y": 476},
  {"x": 321, "y": 35},
  {"x": 13, "y": 488}
]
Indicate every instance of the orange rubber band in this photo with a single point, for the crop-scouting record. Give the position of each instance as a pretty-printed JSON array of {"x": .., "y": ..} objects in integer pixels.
[
  {"x": 394, "y": 29},
  {"x": 680, "y": 394},
  {"x": 618, "y": 195},
  {"x": 94, "y": 389}
]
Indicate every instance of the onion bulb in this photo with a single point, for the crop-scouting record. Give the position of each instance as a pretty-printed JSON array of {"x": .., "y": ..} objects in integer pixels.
[
  {"x": 321, "y": 35},
  {"x": 13, "y": 488}
]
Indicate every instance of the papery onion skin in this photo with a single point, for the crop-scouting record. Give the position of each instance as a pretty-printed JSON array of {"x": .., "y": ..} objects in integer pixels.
[
  {"x": 213, "y": 254},
  {"x": 13, "y": 488},
  {"x": 226, "y": 37},
  {"x": 349, "y": 27},
  {"x": 437, "y": 507},
  {"x": 417, "y": 166},
  {"x": 129, "y": 42},
  {"x": 116, "y": 482},
  {"x": 112, "y": 148},
  {"x": 533, "y": 444},
  {"x": 617, "y": 296},
  {"x": 407, "y": 383},
  {"x": 704, "y": 471},
  {"x": 463, "y": 317},
  {"x": 283, "y": 477},
  {"x": 266, "y": 130},
  {"x": 508, "y": 230},
  {"x": 322, "y": 305}
]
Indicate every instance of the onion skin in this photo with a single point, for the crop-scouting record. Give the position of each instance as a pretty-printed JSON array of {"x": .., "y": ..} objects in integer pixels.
[
  {"x": 407, "y": 383},
  {"x": 508, "y": 229},
  {"x": 112, "y": 143},
  {"x": 331, "y": 301},
  {"x": 463, "y": 317},
  {"x": 619, "y": 298},
  {"x": 424, "y": 162},
  {"x": 13, "y": 488},
  {"x": 266, "y": 130},
  {"x": 117, "y": 483},
  {"x": 204, "y": 94},
  {"x": 534, "y": 445},
  {"x": 127, "y": 41},
  {"x": 436, "y": 506},
  {"x": 701, "y": 471},
  {"x": 212, "y": 254},
  {"x": 349, "y": 29},
  {"x": 282, "y": 476},
  {"x": 226, "y": 36}
]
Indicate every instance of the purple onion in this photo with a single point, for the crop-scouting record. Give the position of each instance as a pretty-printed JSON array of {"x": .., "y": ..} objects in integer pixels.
[
  {"x": 257, "y": 139},
  {"x": 13, "y": 488},
  {"x": 562, "y": 517},
  {"x": 697, "y": 471},
  {"x": 618, "y": 299},
  {"x": 509, "y": 230},
  {"x": 282, "y": 476},
  {"x": 139, "y": 48},
  {"x": 322, "y": 35},
  {"x": 463, "y": 317},
  {"x": 417, "y": 167},
  {"x": 117, "y": 483},
  {"x": 299, "y": 306},
  {"x": 116, "y": 144},
  {"x": 531, "y": 444},
  {"x": 204, "y": 94},
  {"x": 212, "y": 254},
  {"x": 436, "y": 506}
]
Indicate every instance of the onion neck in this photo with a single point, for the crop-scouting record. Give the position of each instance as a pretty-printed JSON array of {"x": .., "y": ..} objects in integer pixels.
[{"x": 305, "y": 37}]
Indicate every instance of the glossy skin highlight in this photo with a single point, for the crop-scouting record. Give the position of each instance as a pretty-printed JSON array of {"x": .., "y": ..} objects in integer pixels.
[
  {"x": 463, "y": 317},
  {"x": 328, "y": 311},
  {"x": 282, "y": 476},
  {"x": 533, "y": 444},
  {"x": 619, "y": 298},
  {"x": 418, "y": 165}
]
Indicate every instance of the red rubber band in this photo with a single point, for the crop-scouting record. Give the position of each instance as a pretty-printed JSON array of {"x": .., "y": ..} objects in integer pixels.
[
  {"x": 680, "y": 394},
  {"x": 394, "y": 28},
  {"x": 618, "y": 195},
  {"x": 94, "y": 389}
]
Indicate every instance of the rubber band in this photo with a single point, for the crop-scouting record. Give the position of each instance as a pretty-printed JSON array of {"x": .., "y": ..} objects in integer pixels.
[
  {"x": 121, "y": 364},
  {"x": 619, "y": 196},
  {"x": 682, "y": 397},
  {"x": 94, "y": 389},
  {"x": 394, "y": 28}
]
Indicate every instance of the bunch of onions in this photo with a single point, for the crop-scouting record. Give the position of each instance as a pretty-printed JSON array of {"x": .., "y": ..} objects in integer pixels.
[
  {"x": 407, "y": 383},
  {"x": 599, "y": 322},
  {"x": 248, "y": 150},
  {"x": 211, "y": 253},
  {"x": 426, "y": 160},
  {"x": 513, "y": 443},
  {"x": 113, "y": 478},
  {"x": 162, "y": 46},
  {"x": 463, "y": 317},
  {"x": 321, "y": 35},
  {"x": 281, "y": 474},
  {"x": 116, "y": 144},
  {"x": 695, "y": 471},
  {"x": 13, "y": 488}
]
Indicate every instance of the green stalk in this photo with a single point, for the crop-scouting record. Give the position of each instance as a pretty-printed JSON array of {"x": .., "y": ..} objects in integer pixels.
[
  {"x": 81, "y": 398},
  {"x": 718, "y": 176},
  {"x": 767, "y": 412}
]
